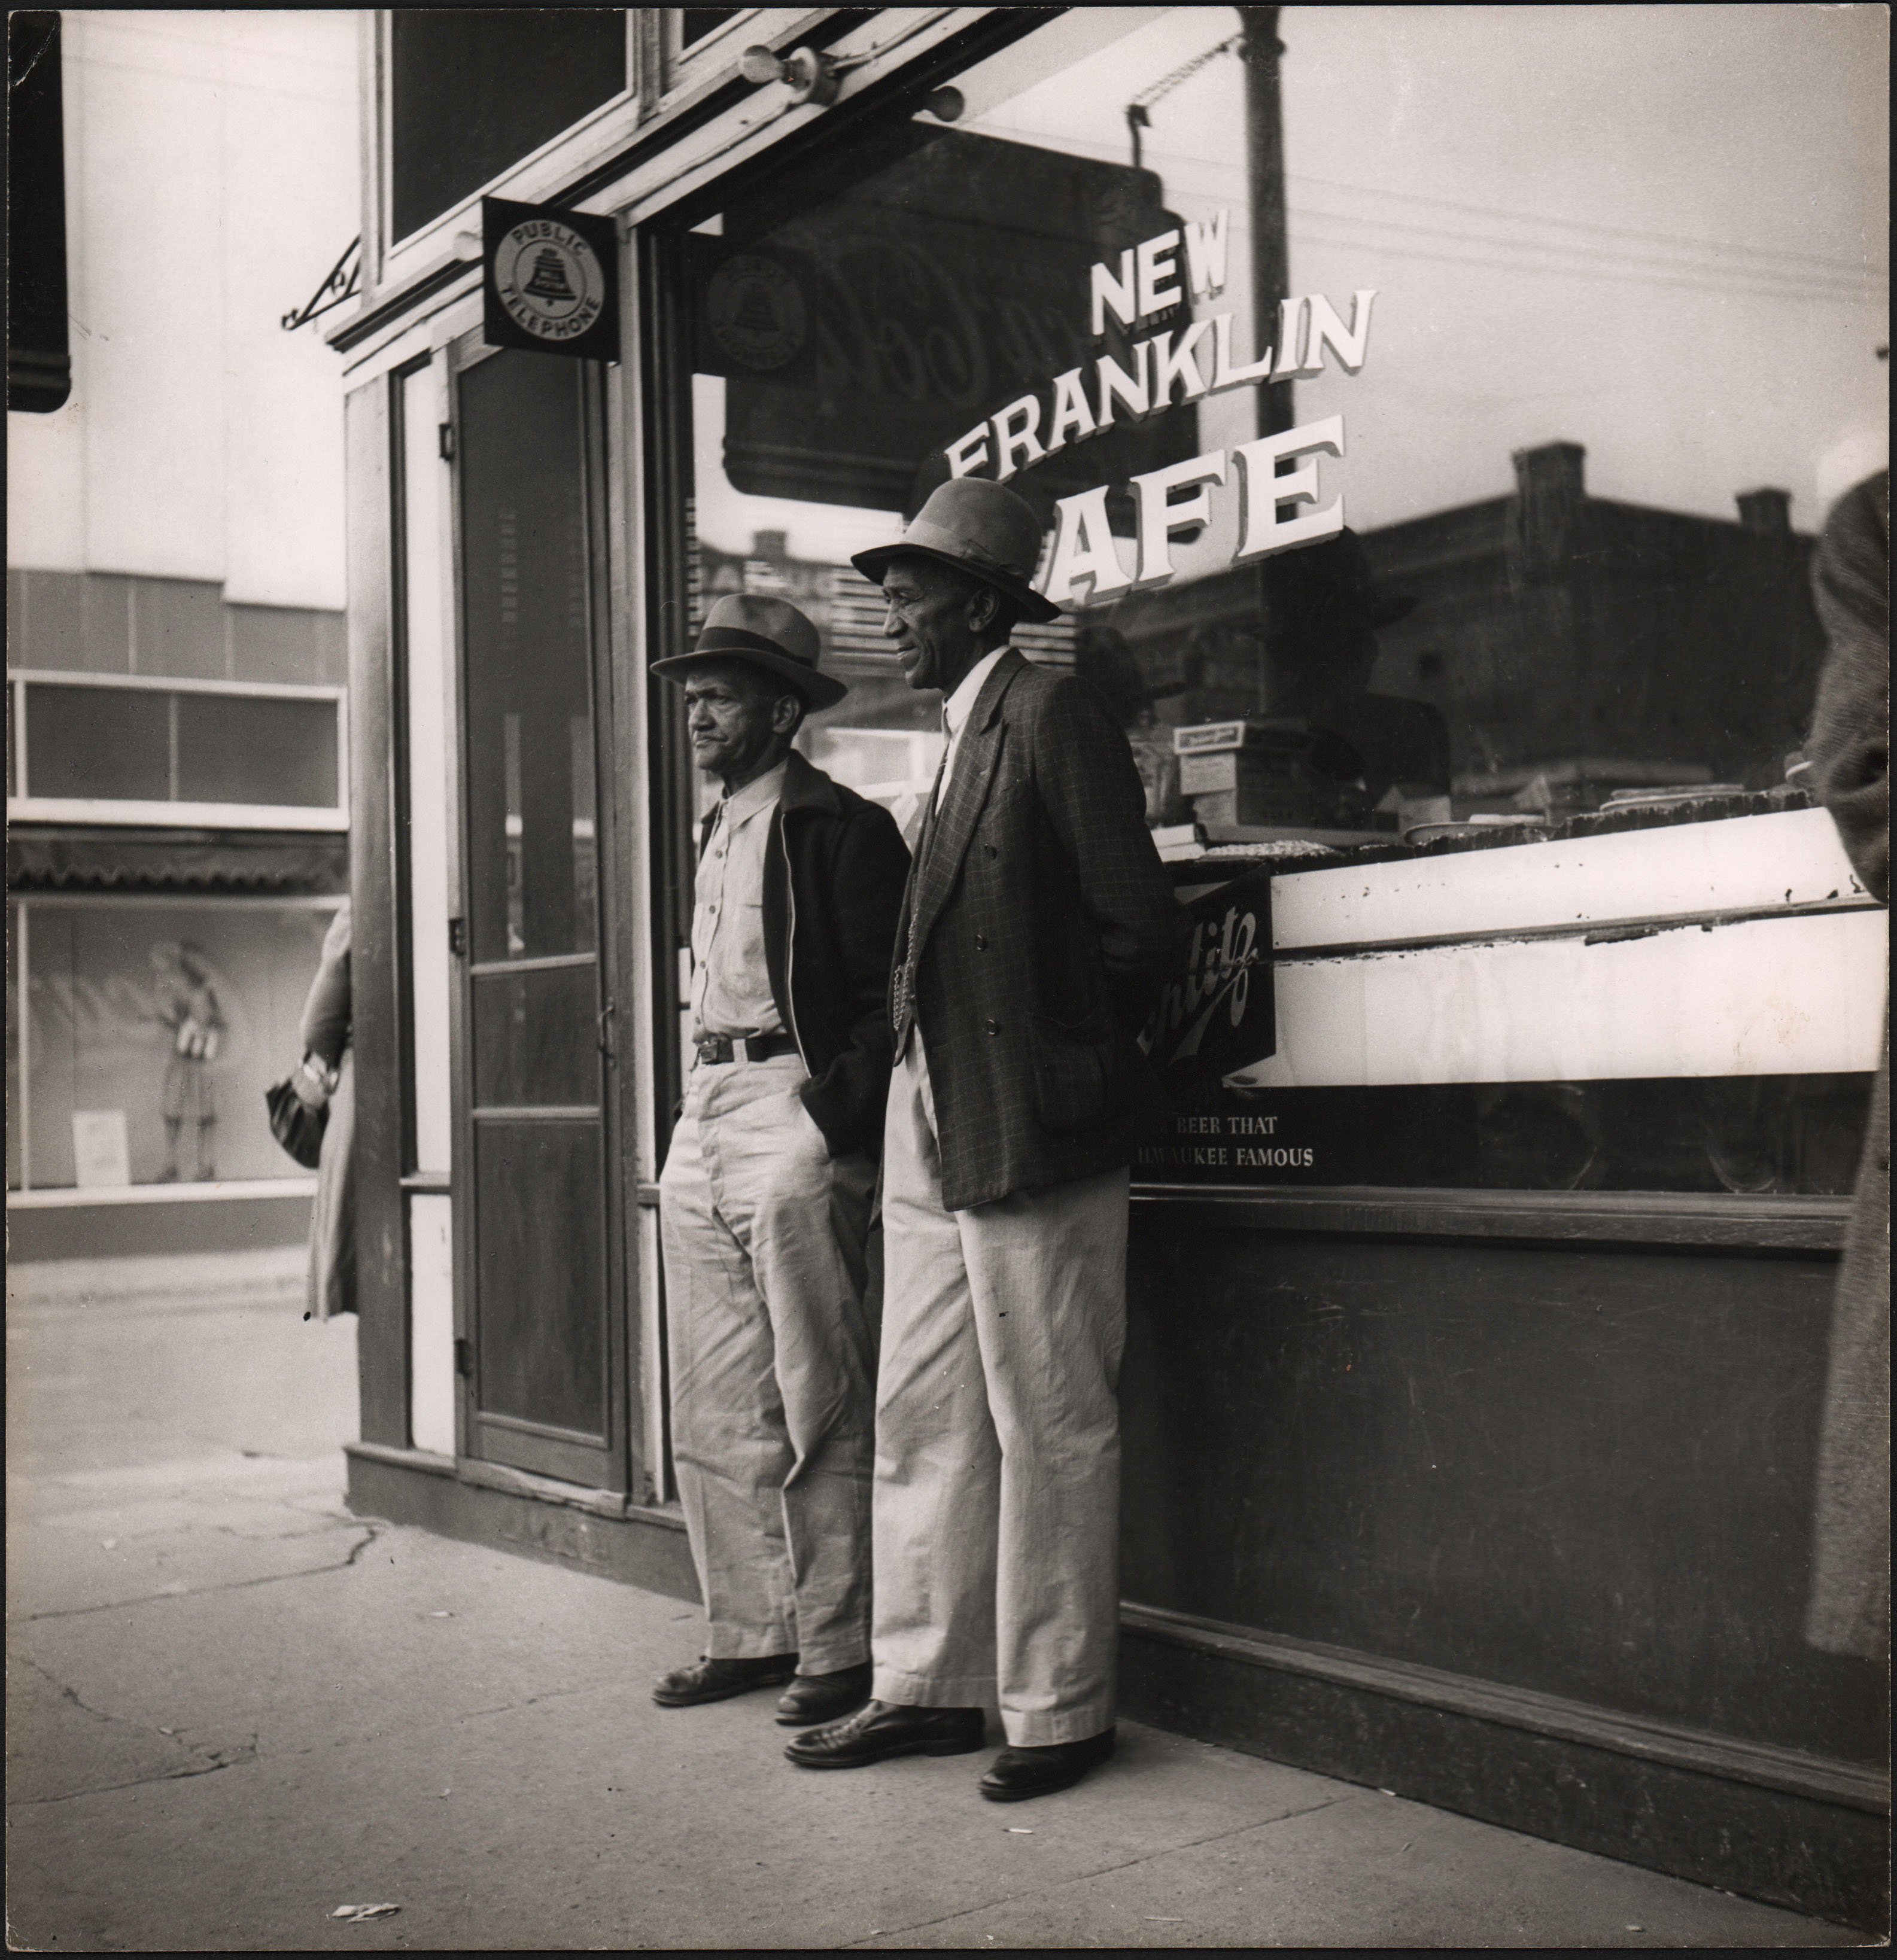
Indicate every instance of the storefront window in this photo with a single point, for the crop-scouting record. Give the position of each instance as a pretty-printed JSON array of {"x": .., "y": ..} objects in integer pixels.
[
  {"x": 150, "y": 1031},
  {"x": 1389, "y": 510}
]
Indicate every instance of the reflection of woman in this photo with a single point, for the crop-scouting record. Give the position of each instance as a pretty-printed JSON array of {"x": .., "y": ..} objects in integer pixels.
[
  {"x": 326, "y": 1073},
  {"x": 188, "y": 1008}
]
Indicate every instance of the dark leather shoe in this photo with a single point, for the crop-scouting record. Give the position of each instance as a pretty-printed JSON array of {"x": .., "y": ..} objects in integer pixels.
[
  {"x": 822, "y": 1697},
  {"x": 881, "y": 1728},
  {"x": 709, "y": 1680},
  {"x": 1019, "y": 1773}
]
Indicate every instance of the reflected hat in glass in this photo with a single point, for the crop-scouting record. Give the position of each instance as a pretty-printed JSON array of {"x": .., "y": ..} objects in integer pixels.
[
  {"x": 980, "y": 527},
  {"x": 769, "y": 633}
]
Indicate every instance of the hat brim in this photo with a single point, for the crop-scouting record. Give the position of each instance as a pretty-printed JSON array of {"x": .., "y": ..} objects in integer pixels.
[
  {"x": 819, "y": 689},
  {"x": 874, "y": 563}
]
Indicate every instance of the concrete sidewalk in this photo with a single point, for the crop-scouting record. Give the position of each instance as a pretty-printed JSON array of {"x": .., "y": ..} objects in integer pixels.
[{"x": 235, "y": 1707}]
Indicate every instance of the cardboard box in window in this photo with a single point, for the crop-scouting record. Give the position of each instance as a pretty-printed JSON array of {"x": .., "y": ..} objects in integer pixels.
[{"x": 1271, "y": 773}]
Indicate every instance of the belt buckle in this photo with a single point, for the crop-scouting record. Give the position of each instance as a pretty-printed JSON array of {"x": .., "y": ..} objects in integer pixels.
[{"x": 714, "y": 1048}]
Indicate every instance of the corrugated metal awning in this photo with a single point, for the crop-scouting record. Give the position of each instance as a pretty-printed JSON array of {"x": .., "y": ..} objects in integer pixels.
[{"x": 75, "y": 861}]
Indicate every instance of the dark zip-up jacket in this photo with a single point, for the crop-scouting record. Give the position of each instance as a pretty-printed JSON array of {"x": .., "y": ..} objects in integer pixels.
[{"x": 834, "y": 872}]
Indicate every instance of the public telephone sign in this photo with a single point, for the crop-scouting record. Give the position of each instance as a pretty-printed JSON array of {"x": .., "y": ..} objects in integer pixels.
[{"x": 549, "y": 280}]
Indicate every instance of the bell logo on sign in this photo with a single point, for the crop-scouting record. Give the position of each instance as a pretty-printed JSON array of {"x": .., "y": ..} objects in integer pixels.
[
  {"x": 756, "y": 312},
  {"x": 549, "y": 284},
  {"x": 550, "y": 280}
]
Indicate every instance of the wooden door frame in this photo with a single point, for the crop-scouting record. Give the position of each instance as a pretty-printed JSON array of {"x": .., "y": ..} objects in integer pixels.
[{"x": 466, "y": 352}]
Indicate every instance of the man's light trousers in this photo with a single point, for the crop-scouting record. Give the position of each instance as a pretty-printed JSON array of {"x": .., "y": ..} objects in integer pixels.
[
  {"x": 773, "y": 1359},
  {"x": 997, "y": 1449}
]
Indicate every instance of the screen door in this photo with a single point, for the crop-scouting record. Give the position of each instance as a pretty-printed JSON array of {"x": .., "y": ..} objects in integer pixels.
[{"x": 539, "y": 1362}]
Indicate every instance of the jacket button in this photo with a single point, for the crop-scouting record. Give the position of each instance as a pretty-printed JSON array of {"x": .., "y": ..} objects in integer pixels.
[
  {"x": 992, "y": 1025},
  {"x": 981, "y": 942},
  {"x": 990, "y": 849}
]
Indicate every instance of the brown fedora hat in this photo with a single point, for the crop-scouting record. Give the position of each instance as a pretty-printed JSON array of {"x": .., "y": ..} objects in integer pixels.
[
  {"x": 980, "y": 527},
  {"x": 769, "y": 633}
]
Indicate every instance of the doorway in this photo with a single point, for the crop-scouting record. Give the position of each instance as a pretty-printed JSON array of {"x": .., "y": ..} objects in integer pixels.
[{"x": 541, "y": 1354}]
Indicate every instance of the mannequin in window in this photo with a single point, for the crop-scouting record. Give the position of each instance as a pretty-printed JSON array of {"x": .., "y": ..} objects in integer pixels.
[{"x": 188, "y": 1010}]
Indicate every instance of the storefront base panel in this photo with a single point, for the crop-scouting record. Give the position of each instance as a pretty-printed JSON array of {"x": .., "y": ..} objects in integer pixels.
[
  {"x": 484, "y": 1504},
  {"x": 1824, "y": 1854},
  {"x": 134, "y": 1231}
]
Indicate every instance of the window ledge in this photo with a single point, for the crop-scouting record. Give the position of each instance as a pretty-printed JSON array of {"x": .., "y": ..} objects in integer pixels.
[
  {"x": 68, "y": 1197},
  {"x": 1711, "y": 1221}
]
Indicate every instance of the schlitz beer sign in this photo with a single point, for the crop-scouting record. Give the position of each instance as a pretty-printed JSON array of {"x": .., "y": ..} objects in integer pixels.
[
  {"x": 549, "y": 280},
  {"x": 1217, "y": 1015}
]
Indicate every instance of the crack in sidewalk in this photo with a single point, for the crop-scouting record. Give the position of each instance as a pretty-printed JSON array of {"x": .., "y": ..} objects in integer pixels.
[
  {"x": 373, "y": 1532},
  {"x": 208, "y": 1759},
  {"x": 1087, "y": 1878}
]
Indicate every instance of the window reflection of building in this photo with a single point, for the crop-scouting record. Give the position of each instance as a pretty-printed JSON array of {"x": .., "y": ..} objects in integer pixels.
[{"x": 1598, "y": 644}]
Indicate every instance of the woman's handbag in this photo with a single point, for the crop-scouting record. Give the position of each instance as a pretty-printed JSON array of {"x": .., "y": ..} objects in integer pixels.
[{"x": 294, "y": 1125}]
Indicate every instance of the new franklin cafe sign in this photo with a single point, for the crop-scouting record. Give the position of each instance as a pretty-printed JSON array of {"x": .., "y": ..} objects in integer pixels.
[{"x": 1273, "y": 478}]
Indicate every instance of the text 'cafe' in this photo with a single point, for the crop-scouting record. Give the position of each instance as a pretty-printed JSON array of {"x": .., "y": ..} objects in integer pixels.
[{"x": 1461, "y": 633}]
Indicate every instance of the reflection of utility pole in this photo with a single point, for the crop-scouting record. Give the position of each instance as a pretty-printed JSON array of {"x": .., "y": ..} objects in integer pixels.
[
  {"x": 1264, "y": 160},
  {"x": 1137, "y": 119}
]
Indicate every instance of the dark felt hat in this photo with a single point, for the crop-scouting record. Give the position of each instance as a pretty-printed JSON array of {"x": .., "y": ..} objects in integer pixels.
[
  {"x": 769, "y": 633},
  {"x": 979, "y": 527}
]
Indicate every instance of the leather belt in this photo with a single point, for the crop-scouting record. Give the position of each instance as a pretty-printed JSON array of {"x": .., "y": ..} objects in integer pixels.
[{"x": 744, "y": 1048}]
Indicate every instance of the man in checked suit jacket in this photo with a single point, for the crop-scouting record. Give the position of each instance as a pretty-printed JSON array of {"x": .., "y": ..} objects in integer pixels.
[{"x": 1037, "y": 925}]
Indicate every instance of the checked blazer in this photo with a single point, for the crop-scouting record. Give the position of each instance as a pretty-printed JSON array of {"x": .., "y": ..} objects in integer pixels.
[{"x": 1040, "y": 924}]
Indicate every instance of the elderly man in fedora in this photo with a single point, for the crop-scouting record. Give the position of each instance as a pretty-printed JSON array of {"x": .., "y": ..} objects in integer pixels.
[
  {"x": 764, "y": 1201},
  {"x": 1037, "y": 926}
]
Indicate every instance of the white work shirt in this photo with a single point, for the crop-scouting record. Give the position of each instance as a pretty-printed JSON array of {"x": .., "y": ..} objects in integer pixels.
[
  {"x": 730, "y": 978},
  {"x": 956, "y": 711}
]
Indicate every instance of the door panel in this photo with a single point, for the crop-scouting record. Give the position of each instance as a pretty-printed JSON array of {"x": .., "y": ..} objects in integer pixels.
[
  {"x": 536, "y": 1037},
  {"x": 534, "y": 1180},
  {"x": 541, "y": 1389}
]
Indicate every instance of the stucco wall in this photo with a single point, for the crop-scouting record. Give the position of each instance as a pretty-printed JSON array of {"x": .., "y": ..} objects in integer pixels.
[{"x": 211, "y": 173}]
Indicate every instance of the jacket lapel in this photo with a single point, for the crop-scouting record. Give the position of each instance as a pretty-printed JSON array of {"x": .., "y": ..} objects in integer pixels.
[{"x": 962, "y": 800}]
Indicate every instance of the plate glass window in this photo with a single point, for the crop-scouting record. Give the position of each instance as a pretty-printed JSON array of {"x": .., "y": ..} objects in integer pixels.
[
  {"x": 1563, "y": 399},
  {"x": 141, "y": 1034}
]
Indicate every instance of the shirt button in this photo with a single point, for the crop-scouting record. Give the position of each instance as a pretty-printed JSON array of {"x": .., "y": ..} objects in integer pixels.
[{"x": 992, "y": 1025}]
